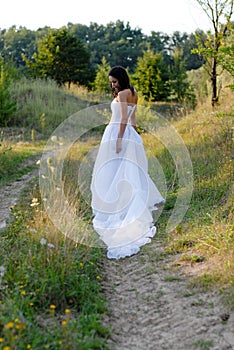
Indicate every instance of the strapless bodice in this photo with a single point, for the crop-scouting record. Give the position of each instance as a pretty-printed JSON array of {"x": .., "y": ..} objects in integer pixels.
[{"x": 115, "y": 108}]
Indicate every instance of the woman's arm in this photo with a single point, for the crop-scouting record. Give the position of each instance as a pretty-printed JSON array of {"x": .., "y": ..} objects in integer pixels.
[{"x": 122, "y": 97}]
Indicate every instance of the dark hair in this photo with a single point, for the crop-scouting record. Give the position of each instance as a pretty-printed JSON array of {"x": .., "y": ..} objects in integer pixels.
[{"x": 121, "y": 75}]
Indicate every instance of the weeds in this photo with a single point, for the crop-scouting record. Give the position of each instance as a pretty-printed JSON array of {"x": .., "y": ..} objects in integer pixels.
[{"x": 50, "y": 286}]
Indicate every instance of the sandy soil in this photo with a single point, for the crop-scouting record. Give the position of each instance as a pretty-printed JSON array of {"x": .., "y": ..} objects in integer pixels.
[{"x": 152, "y": 306}]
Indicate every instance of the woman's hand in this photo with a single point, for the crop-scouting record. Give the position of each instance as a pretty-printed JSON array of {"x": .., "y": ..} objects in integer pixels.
[{"x": 118, "y": 145}]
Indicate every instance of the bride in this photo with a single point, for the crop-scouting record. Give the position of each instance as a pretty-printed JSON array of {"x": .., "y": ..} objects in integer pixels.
[{"x": 123, "y": 194}]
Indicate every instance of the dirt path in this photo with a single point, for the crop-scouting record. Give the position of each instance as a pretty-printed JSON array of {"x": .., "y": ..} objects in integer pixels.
[
  {"x": 152, "y": 307},
  {"x": 10, "y": 193}
]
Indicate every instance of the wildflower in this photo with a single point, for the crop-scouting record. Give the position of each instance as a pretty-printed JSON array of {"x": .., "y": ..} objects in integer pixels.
[
  {"x": 50, "y": 245},
  {"x": 67, "y": 311},
  {"x": 81, "y": 264},
  {"x": 9, "y": 325},
  {"x": 32, "y": 230},
  {"x": 49, "y": 161},
  {"x": 38, "y": 162},
  {"x": 31, "y": 304},
  {"x": 52, "y": 168},
  {"x": 20, "y": 326},
  {"x": 2, "y": 271},
  {"x": 28, "y": 346},
  {"x": 64, "y": 323},
  {"x": 43, "y": 241},
  {"x": 98, "y": 277},
  {"x": 34, "y": 202},
  {"x": 1, "y": 340},
  {"x": 16, "y": 320},
  {"x": 22, "y": 292},
  {"x": 52, "y": 306},
  {"x": 54, "y": 138},
  {"x": 6, "y": 348}
]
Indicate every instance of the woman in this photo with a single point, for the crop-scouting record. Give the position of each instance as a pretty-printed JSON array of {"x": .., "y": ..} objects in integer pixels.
[{"x": 123, "y": 195}]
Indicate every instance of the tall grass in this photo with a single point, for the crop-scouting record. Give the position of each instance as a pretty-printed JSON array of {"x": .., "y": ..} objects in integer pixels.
[
  {"x": 17, "y": 159},
  {"x": 50, "y": 286},
  {"x": 206, "y": 234},
  {"x": 42, "y": 105}
]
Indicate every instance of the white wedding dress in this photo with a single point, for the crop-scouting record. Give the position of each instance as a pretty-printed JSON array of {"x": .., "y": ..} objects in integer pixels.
[{"x": 123, "y": 194}]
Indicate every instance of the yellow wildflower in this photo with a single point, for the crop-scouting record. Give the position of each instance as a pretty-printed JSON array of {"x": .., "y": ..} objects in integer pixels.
[
  {"x": 6, "y": 348},
  {"x": 1, "y": 340},
  {"x": 98, "y": 277},
  {"x": 64, "y": 323},
  {"x": 52, "y": 306},
  {"x": 67, "y": 311},
  {"x": 20, "y": 326},
  {"x": 10, "y": 325},
  {"x": 23, "y": 292},
  {"x": 28, "y": 346}
]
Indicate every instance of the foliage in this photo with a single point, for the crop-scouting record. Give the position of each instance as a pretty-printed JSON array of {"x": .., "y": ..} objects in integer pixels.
[
  {"x": 7, "y": 105},
  {"x": 101, "y": 83},
  {"x": 185, "y": 43},
  {"x": 217, "y": 12},
  {"x": 180, "y": 87},
  {"x": 226, "y": 54},
  {"x": 151, "y": 77},
  {"x": 117, "y": 42},
  {"x": 50, "y": 288},
  {"x": 62, "y": 58}
]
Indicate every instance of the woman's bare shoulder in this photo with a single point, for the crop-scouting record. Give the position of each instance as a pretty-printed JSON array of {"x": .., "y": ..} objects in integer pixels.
[{"x": 127, "y": 96}]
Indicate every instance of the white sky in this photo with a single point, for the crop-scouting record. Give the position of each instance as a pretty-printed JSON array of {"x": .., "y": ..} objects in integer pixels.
[{"x": 150, "y": 15}]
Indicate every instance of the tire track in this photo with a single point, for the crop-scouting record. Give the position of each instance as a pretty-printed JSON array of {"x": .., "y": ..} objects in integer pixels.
[{"x": 152, "y": 307}]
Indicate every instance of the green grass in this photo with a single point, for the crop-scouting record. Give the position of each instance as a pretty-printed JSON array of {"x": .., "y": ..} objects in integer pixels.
[
  {"x": 205, "y": 237},
  {"x": 50, "y": 295},
  {"x": 17, "y": 159},
  {"x": 42, "y": 105},
  {"x": 206, "y": 234}
]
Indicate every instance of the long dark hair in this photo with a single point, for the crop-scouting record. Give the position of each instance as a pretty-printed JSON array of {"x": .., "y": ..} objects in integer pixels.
[{"x": 121, "y": 75}]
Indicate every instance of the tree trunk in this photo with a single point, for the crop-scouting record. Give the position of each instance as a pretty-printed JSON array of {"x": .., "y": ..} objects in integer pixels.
[{"x": 215, "y": 97}]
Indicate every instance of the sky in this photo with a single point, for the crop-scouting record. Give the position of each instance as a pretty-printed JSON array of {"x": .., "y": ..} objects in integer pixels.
[{"x": 149, "y": 15}]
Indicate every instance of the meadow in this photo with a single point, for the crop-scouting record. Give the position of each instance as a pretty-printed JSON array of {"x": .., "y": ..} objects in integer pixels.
[{"x": 51, "y": 286}]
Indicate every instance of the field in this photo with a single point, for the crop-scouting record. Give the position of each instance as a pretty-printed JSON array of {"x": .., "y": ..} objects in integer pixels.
[{"x": 53, "y": 290}]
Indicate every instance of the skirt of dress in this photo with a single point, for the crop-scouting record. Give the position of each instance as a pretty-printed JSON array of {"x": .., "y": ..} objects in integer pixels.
[{"x": 123, "y": 194}]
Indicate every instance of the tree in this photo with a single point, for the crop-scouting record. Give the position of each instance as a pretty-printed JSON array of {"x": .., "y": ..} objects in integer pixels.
[
  {"x": 15, "y": 42},
  {"x": 227, "y": 54},
  {"x": 219, "y": 12},
  {"x": 7, "y": 106},
  {"x": 178, "y": 77},
  {"x": 61, "y": 57},
  {"x": 101, "y": 81},
  {"x": 152, "y": 76}
]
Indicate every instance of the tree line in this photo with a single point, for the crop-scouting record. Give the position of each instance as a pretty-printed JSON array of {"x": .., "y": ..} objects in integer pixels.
[
  {"x": 158, "y": 63},
  {"x": 80, "y": 54}
]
